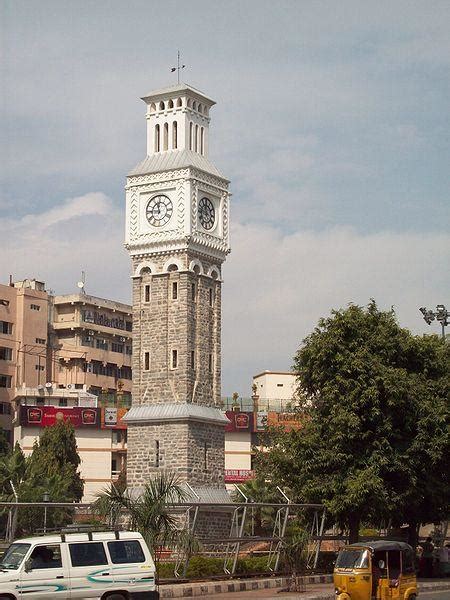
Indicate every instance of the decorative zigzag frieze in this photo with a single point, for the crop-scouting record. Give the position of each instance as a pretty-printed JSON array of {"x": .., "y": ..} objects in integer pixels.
[{"x": 134, "y": 216}]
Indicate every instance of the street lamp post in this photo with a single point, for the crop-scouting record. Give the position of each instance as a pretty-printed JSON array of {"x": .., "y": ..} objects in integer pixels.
[
  {"x": 45, "y": 498},
  {"x": 441, "y": 314}
]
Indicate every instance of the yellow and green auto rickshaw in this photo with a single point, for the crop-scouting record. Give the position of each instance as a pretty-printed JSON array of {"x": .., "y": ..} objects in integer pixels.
[{"x": 378, "y": 570}]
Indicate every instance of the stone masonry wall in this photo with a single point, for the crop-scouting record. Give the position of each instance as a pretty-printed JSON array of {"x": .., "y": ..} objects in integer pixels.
[
  {"x": 180, "y": 448},
  {"x": 187, "y": 324}
]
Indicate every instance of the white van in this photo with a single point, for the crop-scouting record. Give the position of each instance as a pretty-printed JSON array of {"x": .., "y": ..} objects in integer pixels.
[{"x": 110, "y": 565}]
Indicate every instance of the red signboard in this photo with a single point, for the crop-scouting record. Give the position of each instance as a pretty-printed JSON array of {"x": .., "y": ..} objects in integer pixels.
[
  {"x": 239, "y": 421},
  {"x": 44, "y": 416},
  {"x": 238, "y": 475}
]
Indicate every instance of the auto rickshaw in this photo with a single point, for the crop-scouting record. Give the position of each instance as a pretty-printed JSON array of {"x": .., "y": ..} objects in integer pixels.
[{"x": 378, "y": 570}]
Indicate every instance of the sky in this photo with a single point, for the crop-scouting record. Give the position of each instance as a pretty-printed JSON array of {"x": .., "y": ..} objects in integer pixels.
[{"x": 332, "y": 123}]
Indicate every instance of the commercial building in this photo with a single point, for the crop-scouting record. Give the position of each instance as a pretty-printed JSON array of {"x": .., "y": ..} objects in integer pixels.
[
  {"x": 272, "y": 404},
  {"x": 100, "y": 433}
]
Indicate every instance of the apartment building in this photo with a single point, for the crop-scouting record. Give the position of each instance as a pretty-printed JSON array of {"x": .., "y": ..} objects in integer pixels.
[
  {"x": 91, "y": 343},
  {"x": 24, "y": 356}
]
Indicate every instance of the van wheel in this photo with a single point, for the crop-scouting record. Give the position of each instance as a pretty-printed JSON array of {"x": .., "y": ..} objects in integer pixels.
[{"x": 116, "y": 596}]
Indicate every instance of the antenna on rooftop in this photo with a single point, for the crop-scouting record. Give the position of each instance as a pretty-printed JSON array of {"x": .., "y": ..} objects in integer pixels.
[
  {"x": 178, "y": 67},
  {"x": 82, "y": 282}
]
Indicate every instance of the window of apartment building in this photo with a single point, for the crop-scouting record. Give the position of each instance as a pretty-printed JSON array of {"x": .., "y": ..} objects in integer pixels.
[
  {"x": 115, "y": 347},
  {"x": 210, "y": 363},
  {"x": 193, "y": 292},
  {"x": 87, "y": 340},
  {"x": 41, "y": 341},
  {"x": 146, "y": 361},
  {"x": 128, "y": 325},
  {"x": 147, "y": 293},
  {"x": 6, "y": 327},
  {"x": 39, "y": 367},
  {"x": 5, "y": 353},
  {"x": 35, "y": 307},
  {"x": 192, "y": 359},
  {"x": 174, "y": 359},
  {"x": 174, "y": 290},
  {"x": 124, "y": 373},
  {"x": 40, "y": 401},
  {"x": 211, "y": 296},
  {"x": 101, "y": 344},
  {"x": 62, "y": 402},
  {"x": 128, "y": 350},
  {"x": 5, "y": 381},
  {"x": 5, "y": 408}
]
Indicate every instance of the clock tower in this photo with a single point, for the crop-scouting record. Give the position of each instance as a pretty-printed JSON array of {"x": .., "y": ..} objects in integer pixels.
[{"x": 177, "y": 235}]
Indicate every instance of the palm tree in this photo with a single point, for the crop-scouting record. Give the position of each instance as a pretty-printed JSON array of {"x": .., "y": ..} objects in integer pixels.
[{"x": 149, "y": 511}]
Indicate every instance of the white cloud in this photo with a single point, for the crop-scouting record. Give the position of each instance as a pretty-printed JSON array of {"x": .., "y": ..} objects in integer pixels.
[
  {"x": 83, "y": 233},
  {"x": 277, "y": 286}
]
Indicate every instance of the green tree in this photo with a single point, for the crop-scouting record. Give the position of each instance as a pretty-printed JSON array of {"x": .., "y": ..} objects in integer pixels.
[
  {"x": 258, "y": 490},
  {"x": 374, "y": 402},
  {"x": 56, "y": 453},
  {"x": 148, "y": 510}
]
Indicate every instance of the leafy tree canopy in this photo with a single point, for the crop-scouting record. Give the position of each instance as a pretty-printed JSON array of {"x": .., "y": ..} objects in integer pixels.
[
  {"x": 375, "y": 410},
  {"x": 55, "y": 455}
]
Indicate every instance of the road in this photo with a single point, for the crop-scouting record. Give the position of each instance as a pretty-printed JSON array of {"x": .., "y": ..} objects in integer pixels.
[{"x": 312, "y": 591}]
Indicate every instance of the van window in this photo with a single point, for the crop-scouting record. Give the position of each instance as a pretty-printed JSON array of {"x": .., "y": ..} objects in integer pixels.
[
  {"x": 126, "y": 551},
  {"x": 14, "y": 556},
  {"x": 87, "y": 554},
  {"x": 46, "y": 557}
]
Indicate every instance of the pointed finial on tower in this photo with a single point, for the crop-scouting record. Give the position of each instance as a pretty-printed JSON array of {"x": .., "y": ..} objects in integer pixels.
[{"x": 178, "y": 67}]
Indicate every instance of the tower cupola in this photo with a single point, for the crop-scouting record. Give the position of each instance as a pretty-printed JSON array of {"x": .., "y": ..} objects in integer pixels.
[{"x": 177, "y": 119}]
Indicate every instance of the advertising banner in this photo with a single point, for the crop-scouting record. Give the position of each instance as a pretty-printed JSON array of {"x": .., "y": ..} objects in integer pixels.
[
  {"x": 238, "y": 475},
  {"x": 261, "y": 420},
  {"x": 288, "y": 421},
  {"x": 239, "y": 421},
  {"x": 112, "y": 418},
  {"x": 44, "y": 416}
]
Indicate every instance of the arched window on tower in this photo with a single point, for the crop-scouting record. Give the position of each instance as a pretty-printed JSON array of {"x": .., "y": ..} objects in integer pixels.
[
  {"x": 174, "y": 135},
  {"x": 161, "y": 106},
  {"x": 202, "y": 140},
  {"x": 194, "y": 105},
  {"x": 152, "y": 107},
  {"x": 157, "y": 139},
  {"x": 200, "y": 108},
  {"x": 191, "y": 136},
  {"x": 196, "y": 138},
  {"x": 166, "y": 136},
  {"x": 179, "y": 102},
  {"x": 170, "y": 104}
]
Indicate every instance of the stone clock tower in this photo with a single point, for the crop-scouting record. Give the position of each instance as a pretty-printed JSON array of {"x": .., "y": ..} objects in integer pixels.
[{"x": 177, "y": 234}]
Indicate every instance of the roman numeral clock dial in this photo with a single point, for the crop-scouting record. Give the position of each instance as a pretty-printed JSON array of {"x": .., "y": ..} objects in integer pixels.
[
  {"x": 159, "y": 210},
  {"x": 206, "y": 213}
]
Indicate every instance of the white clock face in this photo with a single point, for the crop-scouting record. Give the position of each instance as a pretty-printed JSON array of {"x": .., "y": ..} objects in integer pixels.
[
  {"x": 159, "y": 210},
  {"x": 206, "y": 213}
]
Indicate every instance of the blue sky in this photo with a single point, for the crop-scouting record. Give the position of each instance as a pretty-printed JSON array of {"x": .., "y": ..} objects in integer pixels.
[{"x": 332, "y": 122}]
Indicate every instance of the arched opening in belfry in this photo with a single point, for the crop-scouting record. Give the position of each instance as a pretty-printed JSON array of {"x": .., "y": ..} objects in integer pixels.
[
  {"x": 202, "y": 140},
  {"x": 196, "y": 139},
  {"x": 161, "y": 106},
  {"x": 166, "y": 136},
  {"x": 157, "y": 138},
  {"x": 174, "y": 135},
  {"x": 200, "y": 108},
  {"x": 152, "y": 107},
  {"x": 191, "y": 135},
  {"x": 179, "y": 102},
  {"x": 170, "y": 104},
  {"x": 194, "y": 105}
]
